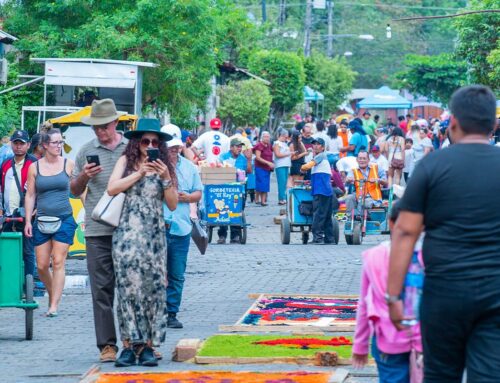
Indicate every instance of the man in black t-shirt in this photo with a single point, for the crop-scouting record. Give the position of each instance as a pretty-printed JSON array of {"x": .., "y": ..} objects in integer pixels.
[{"x": 454, "y": 194}]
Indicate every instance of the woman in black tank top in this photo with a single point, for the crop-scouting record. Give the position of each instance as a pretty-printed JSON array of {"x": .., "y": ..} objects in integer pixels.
[{"x": 48, "y": 189}]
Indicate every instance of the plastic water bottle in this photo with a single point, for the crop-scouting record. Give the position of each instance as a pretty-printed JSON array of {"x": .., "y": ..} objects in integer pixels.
[{"x": 414, "y": 283}]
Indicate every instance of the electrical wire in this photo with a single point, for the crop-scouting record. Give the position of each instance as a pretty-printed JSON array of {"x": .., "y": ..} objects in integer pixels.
[{"x": 349, "y": 3}]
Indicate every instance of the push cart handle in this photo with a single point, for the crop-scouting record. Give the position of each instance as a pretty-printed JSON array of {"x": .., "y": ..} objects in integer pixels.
[{"x": 14, "y": 219}]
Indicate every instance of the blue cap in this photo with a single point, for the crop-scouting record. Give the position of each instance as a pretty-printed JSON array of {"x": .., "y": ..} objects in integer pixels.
[{"x": 20, "y": 135}]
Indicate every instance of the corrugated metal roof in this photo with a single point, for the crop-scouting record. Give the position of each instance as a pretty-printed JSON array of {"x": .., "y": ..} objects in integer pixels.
[
  {"x": 102, "y": 61},
  {"x": 6, "y": 38}
]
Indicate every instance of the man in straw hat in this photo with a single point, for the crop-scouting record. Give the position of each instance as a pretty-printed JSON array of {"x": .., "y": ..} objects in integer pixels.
[{"x": 93, "y": 178}]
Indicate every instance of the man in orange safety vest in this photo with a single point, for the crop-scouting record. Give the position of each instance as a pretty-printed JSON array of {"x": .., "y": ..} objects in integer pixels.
[{"x": 367, "y": 180}]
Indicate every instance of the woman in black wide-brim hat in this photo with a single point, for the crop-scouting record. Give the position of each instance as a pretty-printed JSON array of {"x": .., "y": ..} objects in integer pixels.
[{"x": 139, "y": 242}]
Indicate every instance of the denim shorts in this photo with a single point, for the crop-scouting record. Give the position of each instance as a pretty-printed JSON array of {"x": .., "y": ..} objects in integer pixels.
[{"x": 65, "y": 233}]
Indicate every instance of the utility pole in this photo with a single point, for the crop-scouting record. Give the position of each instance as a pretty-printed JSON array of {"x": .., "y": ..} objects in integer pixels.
[
  {"x": 264, "y": 15},
  {"x": 307, "y": 28},
  {"x": 282, "y": 17},
  {"x": 329, "y": 48}
]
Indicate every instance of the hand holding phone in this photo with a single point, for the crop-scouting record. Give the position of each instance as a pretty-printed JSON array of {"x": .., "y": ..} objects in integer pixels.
[
  {"x": 93, "y": 159},
  {"x": 153, "y": 154}
]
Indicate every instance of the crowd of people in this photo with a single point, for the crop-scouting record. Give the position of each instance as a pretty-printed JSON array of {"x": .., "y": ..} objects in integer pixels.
[{"x": 144, "y": 257}]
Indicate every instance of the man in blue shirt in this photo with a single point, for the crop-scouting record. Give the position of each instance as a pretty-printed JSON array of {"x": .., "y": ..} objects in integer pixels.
[
  {"x": 240, "y": 162},
  {"x": 358, "y": 141},
  {"x": 5, "y": 150},
  {"x": 322, "y": 192},
  {"x": 178, "y": 223}
]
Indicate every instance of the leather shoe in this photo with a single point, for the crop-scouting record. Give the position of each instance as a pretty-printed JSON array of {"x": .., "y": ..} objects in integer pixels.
[
  {"x": 147, "y": 357},
  {"x": 173, "y": 322},
  {"x": 235, "y": 240},
  {"x": 126, "y": 358},
  {"x": 221, "y": 240}
]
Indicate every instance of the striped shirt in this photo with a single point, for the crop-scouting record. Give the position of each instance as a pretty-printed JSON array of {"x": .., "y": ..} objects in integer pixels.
[{"x": 98, "y": 184}]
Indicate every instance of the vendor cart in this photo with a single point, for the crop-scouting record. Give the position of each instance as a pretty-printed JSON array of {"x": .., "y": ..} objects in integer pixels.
[
  {"x": 223, "y": 205},
  {"x": 299, "y": 214},
  {"x": 16, "y": 290}
]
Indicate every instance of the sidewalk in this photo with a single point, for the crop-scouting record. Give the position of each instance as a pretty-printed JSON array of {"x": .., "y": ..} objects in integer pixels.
[{"x": 216, "y": 292}]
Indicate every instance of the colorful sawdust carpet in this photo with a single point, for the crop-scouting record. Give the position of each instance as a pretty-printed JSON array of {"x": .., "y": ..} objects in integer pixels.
[
  {"x": 215, "y": 377},
  {"x": 301, "y": 311},
  {"x": 274, "y": 346}
]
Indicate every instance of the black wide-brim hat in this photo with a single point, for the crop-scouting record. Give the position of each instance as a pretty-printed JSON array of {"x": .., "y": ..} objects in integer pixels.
[{"x": 148, "y": 125}]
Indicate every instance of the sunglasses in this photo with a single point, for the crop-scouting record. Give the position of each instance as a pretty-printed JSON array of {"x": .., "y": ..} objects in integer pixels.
[{"x": 154, "y": 142}]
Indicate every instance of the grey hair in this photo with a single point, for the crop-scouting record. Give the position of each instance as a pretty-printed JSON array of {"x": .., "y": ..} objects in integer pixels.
[
  {"x": 265, "y": 133},
  {"x": 283, "y": 132}
]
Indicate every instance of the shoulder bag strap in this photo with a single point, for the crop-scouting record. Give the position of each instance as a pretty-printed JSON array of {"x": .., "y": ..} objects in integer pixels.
[{"x": 18, "y": 184}]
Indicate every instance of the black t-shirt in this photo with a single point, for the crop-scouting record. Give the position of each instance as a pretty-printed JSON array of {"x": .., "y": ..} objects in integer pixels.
[{"x": 457, "y": 190}]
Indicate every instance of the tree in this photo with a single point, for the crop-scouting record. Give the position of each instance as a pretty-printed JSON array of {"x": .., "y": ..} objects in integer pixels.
[
  {"x": 332, "y": 77},
  {"x": 494, "y": 61},
  {"x": 245, "y": 102},
  {"x": 435, "y": 77},
  {"x": 286, "y": 73},
  {"x": 477, "y": 40},
  {"x": 186, "y": 38}
]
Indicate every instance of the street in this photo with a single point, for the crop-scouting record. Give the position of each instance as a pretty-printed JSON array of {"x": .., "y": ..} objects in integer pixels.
[{"x": 216, "y": 292}]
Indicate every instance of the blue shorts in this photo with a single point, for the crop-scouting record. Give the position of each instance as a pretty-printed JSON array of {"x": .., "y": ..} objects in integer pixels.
[{"x": 65, "y": 233}]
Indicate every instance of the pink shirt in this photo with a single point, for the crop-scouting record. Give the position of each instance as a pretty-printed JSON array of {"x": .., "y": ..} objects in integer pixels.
[{"x": 373, "y": 314}]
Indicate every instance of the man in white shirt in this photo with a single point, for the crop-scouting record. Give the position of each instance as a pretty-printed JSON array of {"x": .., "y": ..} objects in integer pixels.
[
  {"x": 378, "y": 158},
  {"x": 211, "y": 144}
]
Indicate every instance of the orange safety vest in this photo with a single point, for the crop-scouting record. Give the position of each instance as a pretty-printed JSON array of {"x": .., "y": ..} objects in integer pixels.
[
  {"x": 373, "y": 189},
  {"x": 345, "y": 142}
]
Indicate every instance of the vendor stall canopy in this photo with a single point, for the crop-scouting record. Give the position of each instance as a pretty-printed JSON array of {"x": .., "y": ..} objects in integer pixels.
[
  {"x": 312, "y": 95},
  {"x": 385, "y": 98}
]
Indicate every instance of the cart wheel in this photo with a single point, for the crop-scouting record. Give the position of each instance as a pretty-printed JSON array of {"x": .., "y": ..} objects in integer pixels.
[
  {"x": 210, "y": 232},
  {"x": 29, "y": 312},
  {"x": 305, "y": 237},
  {"x": 285, "y": 231},
  {"x": 336, "y": 232},
  {"x": 357, "y": 238},
  {"x": 243, "y": 236},
  {"x": 348, "y": 239}
]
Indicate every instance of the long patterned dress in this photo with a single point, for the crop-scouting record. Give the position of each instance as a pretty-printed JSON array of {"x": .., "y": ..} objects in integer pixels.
[{"x": 139, "y": 257}]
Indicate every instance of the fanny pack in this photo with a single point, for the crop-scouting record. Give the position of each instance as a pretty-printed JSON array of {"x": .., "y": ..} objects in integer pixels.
[{"x": 48, "y": 224}]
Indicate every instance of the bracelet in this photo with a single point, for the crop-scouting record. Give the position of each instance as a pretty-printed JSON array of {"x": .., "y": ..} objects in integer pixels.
[{"x": 166, "y": 184}]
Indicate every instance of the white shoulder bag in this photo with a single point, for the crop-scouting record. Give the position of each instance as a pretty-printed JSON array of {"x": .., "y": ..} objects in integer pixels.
[{"x": 109, "y": 209}]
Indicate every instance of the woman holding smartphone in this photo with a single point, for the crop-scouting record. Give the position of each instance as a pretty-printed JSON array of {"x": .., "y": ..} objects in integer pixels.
[
  {"x": 54, "y": 226},
  {"x": 139, "y": 241}
]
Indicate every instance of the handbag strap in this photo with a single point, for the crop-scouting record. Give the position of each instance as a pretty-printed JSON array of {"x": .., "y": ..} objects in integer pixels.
[{"x": 398, "y": 146}]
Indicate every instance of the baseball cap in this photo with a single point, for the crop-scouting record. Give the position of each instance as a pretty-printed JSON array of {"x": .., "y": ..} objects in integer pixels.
[
  {"x": 236, "y": 141},
  {"x": 215, "y": 123},
  {"x": 176, "y": 134},
  {"x": 375, "y": 148},
  {"x": 318, "y": 140},
  {"x": 20, "y": 135},
  {"x": 367, "y": 113}
]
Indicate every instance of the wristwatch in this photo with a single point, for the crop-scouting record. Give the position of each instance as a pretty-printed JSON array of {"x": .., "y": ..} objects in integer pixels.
[
  {"x": 390, "y": 299},
  {"x": 166, "y": 184}
]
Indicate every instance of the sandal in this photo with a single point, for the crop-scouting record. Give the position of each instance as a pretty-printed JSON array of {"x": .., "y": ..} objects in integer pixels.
[{"x": 52, "y": 314}]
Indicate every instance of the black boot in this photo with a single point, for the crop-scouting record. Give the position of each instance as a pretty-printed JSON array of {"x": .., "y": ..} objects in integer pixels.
[
  {"x": 173, "y": 322},
  {"x": 147, "y": 357},
  {"x": 126, "y": 358}
]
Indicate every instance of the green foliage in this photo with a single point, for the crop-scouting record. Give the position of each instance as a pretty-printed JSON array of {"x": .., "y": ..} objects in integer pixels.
[
  {"x": 435, "y": 77},
  {"x": 477, "y": 41},
  {"x": 245, "y": 102},
  {"x": 332, "y": 77},
  {"x": 187, "y": 38},
  {"x": 286, "y": 74},
  {"x": 494, "y": 75}
]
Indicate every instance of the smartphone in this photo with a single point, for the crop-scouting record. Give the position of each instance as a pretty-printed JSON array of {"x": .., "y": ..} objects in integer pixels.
[
  {"x": 153, "y": 154},
  {"x": 93, "y": 159}
]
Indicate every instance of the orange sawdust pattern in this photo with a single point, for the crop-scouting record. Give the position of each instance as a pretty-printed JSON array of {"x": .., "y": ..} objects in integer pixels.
[{"x": 215, "y": 377}]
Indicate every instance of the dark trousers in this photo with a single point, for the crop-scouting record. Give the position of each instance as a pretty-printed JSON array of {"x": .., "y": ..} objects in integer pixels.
[
  {"x": 28, "y": 249},
  {"x": 177, "y": 253},
  {"x": 102, "y": 284},
  {"x": 460, "y": 322},
  {"x": 322, "y": 223},
  {"x": 235, "y": 231}
]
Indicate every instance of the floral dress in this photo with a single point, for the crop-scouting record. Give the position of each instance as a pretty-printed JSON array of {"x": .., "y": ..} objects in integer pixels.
[{"x": 139, "y": 257}]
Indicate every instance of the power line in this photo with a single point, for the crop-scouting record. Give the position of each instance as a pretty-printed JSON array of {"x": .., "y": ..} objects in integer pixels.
[{"x": 348, "y": 3}]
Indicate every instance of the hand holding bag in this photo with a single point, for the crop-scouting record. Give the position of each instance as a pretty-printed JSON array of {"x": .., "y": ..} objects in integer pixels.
[
  {"x": 109, "y": 209},
  {"x": 200, "y": 236}
]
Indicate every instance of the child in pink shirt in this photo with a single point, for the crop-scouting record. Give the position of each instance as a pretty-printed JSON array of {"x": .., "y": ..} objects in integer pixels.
[{"x": 391, "y": 348}]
